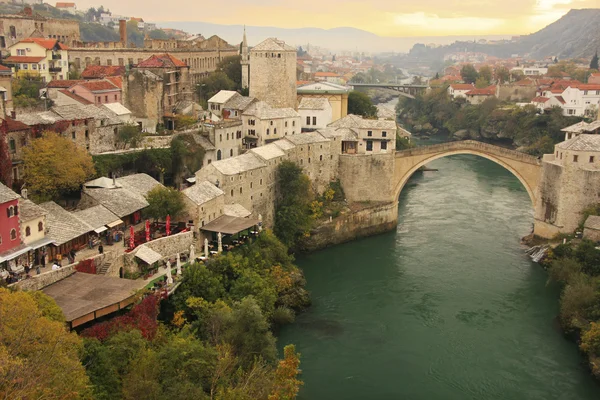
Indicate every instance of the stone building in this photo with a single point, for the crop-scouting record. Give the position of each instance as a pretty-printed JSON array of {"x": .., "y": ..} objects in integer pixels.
[
  {"x": 201, "y": 57},
  {"x": 204, "y": 203},
  {"x": 315, "y": 113},
  {"x": 273, "y": 73},
  {"x": 264, "y": 124},
  {"x": 16, "y": 27},
  {"x": 97, "y": 92},
  {"x": 156, "y": 89},
  {"x": 570, "y": 178},
  {"x": 227, "y": 104},
  {"x": 225, "y": 137},
  {"x": 18, "y": 136},
  {"x": 372, "y": 136},
  {"x": 336, "y": 95}
]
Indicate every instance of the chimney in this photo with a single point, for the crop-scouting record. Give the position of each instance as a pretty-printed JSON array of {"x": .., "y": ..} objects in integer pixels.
[
  {"x": 24, "y": 193},
  {"x": 123, "y": 31}
]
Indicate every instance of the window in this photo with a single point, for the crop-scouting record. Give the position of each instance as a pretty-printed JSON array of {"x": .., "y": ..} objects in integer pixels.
[
  {"x": 384, "y": 134},
  {"x": 314, "y": 120},
  {"x": 218, "y": 155},
  {"x": 99, "y": 99},
  {"x": 267, "y": 131},
  {"x": 34, "y": 66},
  {"x": 369, "y": 133},
  {"x": 383, "y": 145},
  {"x": 575, "y": 158},
  {"x": 28, "y": 231},
  {"x": 251, "y": 185},
  {"x": 293, "y": 123},
  {"x": 591, "y": 159},
  {"x": 20, "y": 52},
  {"x": 231, "y": 192},
  {"x": 228, "y": 136},
  {"x": 25, "y": 66},
  {"x": 286, "y": 124},
  {"x": 106, "y": 99},
  {"x": 40, "y": 226},
  {"x": 274, "y": 131},
  {"x": 73, "y": 135},
  {"x": 307, "y": 120},
  {"x": 13, "y": 234},
  {"x": 220, "y": 137},
  {"x": 271, "y": 123},
  {"x": 369, "y": 145},
  {"x": 87, "y": 134},
  {"x": 13, "y": 145},
  {"x": 116, "y": 97},
  {"x": 261, "y": 181},
  {"x": 231, "y": 153},
  {"x": 240, "y": 190}
]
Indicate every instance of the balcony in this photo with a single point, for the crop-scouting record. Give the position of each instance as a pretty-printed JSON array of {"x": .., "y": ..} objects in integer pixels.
[
  {"x": 54, "y": 70},
  {"x": 56, "y": 56}
]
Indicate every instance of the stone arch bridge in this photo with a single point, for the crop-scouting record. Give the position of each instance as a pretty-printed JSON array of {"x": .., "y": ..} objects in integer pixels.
[{"x": 527, "y": 168}]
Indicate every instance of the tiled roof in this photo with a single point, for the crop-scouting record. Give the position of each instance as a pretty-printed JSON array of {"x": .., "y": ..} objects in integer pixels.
[
  {"x": 63, "y": 84},
  {"x": 560, "y": 99},
  {"x": 64, "y": 5},
  {"x": 582, "y": 142},
  {"x": 6, "y": 194},
  {"x": 235, "y": 165},
  {"x": 62, "y": 225},
  {"x": 236, "y": 210},
  {"x": 354, "y": 121},
  {"x": 272, "y": 44},
  {"x": 23, "y": 59},
  {"x": 115, "y": 80},
  {"x": 306, "y": 138},
  {"x": 5, "y": 68},
  {"x": 488, "y": 91},
  {"x": 102, "y": 71},
  {"x": 161, "y": 61},
  {"x": 14, "y": 126},
  {"x": 224, "y": 96},
  {"x": 540, "y": 99},
  {"x": 313, "y": 103},
  {"x": 39, "y": 118},
  {"x": 139, "y": 184},
  {"x": 327, "y": 74},
  {"x": 98, "y": 86},
  {"x": 48, "y": 44},
  {"x": 268, "y": 151},
  {"x": 28, "y": 210},
  {"x": 75, "y": 97},
  {"x": 96, "y": 216},
  {"x": 263, "y": 110},
  {"x": 202, "y": 192},
  {"x": 117, "y": 108},
  {"x": 589, "y": 87},
  {"x": 204, "y": 142},
  {"x": 240, "y": 103}
]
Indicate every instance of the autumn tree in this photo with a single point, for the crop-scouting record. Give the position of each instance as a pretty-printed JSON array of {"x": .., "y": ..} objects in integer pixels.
[
  {"x": 287, "y": 384},
  {"x": 469, "y": 73},
  {"x": 55, "y": 165},
  {"x": 164, "y": 201},
  {"x": 5, "y": 161},
  {"x": 39, "y": 358}
]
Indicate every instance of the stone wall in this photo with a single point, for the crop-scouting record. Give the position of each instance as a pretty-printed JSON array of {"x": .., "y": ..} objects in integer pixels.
[
  {"x": 155, "y": 142},
  {"x": 367, "y": 221},
  {"x": 516, "y": 93},
  {"x": 367, "y": 178},
  {"x": 273, "y": 78},
  {"x": 142, "y": 94}
]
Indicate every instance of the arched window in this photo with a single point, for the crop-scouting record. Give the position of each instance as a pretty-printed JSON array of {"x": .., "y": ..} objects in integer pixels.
[
  {"x": 40, "y": 226},
  {"x": 28, "y": 231},
  {"x": 220, "y": 137},
  {"x": 13, "y": 234},
  {"x": 231, "y": 192},
  {"x": 228, "y": 136},
  {"x": 218, "y": 155},
  {"x": 250, "y": 185},
  {"x": 240, "y": 190},
  {"x": 321, "y": 158},
  {"x": 261, "y": 181},
  {"x": 274, "y": 131},
  {"x": 267, "y": 131},
  {"x": 231, "y": 153}
]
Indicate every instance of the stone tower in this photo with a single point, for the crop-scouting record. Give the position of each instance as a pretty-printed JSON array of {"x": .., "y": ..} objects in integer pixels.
[
  {"x": 273, "y": 73},
  {"x": 245, "y": 62}
]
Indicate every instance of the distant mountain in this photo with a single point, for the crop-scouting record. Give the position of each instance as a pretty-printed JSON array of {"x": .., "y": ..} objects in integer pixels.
[{"x": 336, "y": 39}]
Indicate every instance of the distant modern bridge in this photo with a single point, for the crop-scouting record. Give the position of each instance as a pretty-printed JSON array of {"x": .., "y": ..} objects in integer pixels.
[{"x": 406, "y": 90}]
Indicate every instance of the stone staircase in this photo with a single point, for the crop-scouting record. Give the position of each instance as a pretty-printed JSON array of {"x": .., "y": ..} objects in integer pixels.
[{"x": 104, "y": 268}]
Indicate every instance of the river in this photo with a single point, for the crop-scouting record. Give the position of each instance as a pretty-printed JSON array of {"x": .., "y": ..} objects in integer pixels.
[{"x": 446, "y": 307}]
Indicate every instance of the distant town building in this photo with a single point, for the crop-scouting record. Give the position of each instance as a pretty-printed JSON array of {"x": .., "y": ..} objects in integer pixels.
[{"x": 46, "y": 58}]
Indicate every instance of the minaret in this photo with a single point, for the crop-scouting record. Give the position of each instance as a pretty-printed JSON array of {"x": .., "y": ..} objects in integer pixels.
[{"x": 245, "y": 62}]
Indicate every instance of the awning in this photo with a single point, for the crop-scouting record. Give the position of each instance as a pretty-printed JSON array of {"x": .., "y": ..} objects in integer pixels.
[
  {"x": 101, "y": 229},
  {"x": 41, "y": 243},
  {"x": 229, "y": 225},
  {"x": 191, "y": 180},
  {"x": 9, "y": 255},
  {"x": 114, "y": 223},
  {"x": 148, "y": 255}
]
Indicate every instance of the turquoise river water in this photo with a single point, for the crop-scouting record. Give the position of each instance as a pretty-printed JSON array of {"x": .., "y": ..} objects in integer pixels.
[{"x": 446, "y": 307}]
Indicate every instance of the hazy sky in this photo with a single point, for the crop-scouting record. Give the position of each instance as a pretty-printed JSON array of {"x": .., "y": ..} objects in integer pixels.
[{"x": 383, "y": 17}]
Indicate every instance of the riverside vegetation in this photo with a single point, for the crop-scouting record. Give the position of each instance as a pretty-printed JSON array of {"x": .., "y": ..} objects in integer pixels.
[{"x": 435, "y": 112}]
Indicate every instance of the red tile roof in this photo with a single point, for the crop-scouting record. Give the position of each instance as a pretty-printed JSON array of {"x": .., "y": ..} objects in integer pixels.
[
  {"x": 4, "y": 68},
  {"x": 162, "y": 61},
  {"x": 64, "y": 5},
  {"x": 98, "y": 86},
  {"x": 560, "y": 98},
  {"x": 12, "y": 125},
  {"x": 48, "y": 44},
  {"x": 488, "y": 91},
  {"x": 327, "y": 74},
  {"x": 524, "y": 82},
  {"x": 540, "y": 99},
  {"x": 75, "y": 97},
  {"x": 589, "y": 86},
  {"x": 102, "y": 71},
  {"x": 23, "y": 60},
  {"x": 115, "y": 80},
  {"x": 64, "y": 84}
]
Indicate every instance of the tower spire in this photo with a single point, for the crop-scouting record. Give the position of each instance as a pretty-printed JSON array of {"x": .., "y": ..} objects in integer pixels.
[{"x": 245, "y": 61}]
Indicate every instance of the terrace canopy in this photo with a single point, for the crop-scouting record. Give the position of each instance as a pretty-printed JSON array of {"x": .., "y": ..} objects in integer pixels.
[{"x": 230, "y": 225}]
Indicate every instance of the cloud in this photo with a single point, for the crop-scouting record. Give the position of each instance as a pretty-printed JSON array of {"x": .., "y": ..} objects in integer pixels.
[{"x": 441, "y": 25}]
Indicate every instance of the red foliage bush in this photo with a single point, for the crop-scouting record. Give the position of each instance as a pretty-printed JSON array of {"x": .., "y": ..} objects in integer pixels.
[
  {"x": 86, "y": 266},
  {"x": 141, "y": 317}
]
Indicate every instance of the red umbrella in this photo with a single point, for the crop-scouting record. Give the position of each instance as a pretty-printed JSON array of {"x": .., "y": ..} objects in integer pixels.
[
  {"x": 147, "y": 231},
  {"x": 131, "y": 237},
  {"x": 168, "y": 225}
]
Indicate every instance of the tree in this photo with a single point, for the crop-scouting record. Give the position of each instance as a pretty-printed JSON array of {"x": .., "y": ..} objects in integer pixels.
[
  {"x": 469, "y": 73},
  {"x": 163, "y": 201},
  {"x": 39, "y": 358},
  {"x": 287, "y": 384},
  {"x": 481, "y": 83},
  {"x": 55, "y": 165},
  {"x": 502, "y": 74},
  {"x": 360, "y": 104},
  {"x": 158, "y": 34},
  {"x": 129, "y": 135},
  {"x": 594, "y": 62},
  {"x": 212, "y": 84},
  {"x": 232, "y": 67},
  {"x": 5, "y": 161},
  {"x": 292, "y": 215},
  {"x": 486, "y": 74}
]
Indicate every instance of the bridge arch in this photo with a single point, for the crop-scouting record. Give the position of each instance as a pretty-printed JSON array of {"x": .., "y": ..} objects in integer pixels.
[{"x": 526, "y": 168}]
